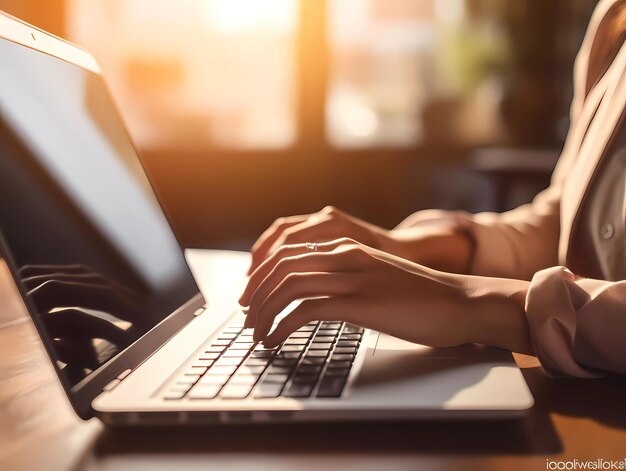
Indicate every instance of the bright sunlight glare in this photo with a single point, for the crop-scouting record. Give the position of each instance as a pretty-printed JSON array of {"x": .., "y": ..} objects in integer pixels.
[{"x": 238, "y": 15}]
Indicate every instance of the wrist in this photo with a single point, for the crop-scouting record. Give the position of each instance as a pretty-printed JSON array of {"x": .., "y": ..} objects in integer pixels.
[{"x": 496, "y": 307}]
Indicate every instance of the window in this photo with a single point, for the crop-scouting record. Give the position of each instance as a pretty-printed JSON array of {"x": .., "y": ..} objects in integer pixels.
[
  {"x": 329, "y": 75},
  {"x": 196, "y": 72}
]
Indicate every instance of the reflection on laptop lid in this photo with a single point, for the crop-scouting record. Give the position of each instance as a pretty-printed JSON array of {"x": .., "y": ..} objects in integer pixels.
[{"x": 97, "y": 261}]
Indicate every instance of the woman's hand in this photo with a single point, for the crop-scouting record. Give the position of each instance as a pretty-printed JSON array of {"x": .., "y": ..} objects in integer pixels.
[
  {"x": 348, "y": 281},
  {"x": 325, "y": 225},
  {"x": 425, "y": 238}
]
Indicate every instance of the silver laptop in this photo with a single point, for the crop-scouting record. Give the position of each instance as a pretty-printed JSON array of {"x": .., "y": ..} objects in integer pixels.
[{"x": 129, "y": 333}]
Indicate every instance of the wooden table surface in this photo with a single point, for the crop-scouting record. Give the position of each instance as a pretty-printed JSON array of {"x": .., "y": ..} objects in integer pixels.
[{"x": 572, "y": 419}]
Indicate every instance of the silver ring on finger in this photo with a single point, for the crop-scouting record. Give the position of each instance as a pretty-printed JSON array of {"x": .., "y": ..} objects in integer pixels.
[{"x": 311, "y": 246}]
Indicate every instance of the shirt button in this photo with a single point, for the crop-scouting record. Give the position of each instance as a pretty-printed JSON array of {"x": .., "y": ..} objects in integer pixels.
[{"x": 607, "y": 231}]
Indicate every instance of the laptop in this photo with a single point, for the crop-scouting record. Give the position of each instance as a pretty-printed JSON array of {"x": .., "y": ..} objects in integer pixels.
[{"x": 129, "y": 333}]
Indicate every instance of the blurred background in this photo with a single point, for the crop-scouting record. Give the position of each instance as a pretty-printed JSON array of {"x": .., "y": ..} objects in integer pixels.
[{"x": 247, "y": 110}]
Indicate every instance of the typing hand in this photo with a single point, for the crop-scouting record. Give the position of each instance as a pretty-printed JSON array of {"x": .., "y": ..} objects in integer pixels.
[
  {"x": 348, "y": 281},
  {"x": 325, "y": 225}
]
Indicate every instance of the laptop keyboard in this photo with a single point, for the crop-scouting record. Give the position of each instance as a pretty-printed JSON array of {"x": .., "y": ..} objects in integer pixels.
[{"x": 314, "y": 361}]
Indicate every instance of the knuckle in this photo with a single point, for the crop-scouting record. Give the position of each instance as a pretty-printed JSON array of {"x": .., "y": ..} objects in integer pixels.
[
  {"x": 329, "y": 210},
  {"x": 279, "y": 222},
  {"x": 356, "y": 252},
  {"x": 346, "y": 241},
  {"x": 291, "y": 279}
]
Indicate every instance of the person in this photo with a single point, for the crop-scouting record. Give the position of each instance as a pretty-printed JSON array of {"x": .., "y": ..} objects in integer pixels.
[{"x": 546, "y": 279}]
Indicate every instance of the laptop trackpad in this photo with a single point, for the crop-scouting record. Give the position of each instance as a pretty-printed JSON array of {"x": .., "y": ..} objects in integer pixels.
[{"x": 421, "y": 376}]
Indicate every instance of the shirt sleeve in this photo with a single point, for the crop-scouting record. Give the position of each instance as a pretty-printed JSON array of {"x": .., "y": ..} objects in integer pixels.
[
  {"x": 521, "y": 242},
  {"x": 577, "y": 325}
]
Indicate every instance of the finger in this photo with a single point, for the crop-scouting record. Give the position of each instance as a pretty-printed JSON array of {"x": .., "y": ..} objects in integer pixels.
[
  {"x": 342, "y": 259},
  {"x": 298, "y": 286},
  {"x": 321, "y": 229},
  {"x": 284, "y": 252},
  {"x": 269, "y": 236},
  {"x": 307, "y": 311}
]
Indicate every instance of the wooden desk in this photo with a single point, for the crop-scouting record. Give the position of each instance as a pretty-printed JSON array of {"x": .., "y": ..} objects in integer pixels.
[{"x": 572, "y": 419}]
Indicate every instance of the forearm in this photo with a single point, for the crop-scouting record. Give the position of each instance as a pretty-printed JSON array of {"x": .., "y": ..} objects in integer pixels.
[{"x": 498, "y": 317}]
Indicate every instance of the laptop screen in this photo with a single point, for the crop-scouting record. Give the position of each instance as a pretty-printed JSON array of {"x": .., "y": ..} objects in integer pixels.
[{"x": 93, "y": 251}]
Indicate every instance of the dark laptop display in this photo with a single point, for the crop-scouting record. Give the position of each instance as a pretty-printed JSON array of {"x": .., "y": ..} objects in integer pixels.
[{"x": 94, "y": 253}]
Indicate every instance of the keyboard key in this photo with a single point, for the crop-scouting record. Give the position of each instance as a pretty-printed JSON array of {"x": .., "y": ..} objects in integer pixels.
[
  {"x": 279, "y": 369},
  {"x": 312, "y": 360},
  {"x": 209, "y": 356},
  {"x": 287, "y": 355},
  {"x": 205, "y": 391},
  {"x": 250, "y": 370},
  {"x": 225, "y": 361},
  {"x": 262, "y": 348},
  {"x": 351, "y": 350},
  {"x": 306, "y": 328},
  {"x": 292, "y": 348},
  {"x": 331, "y": 324},
  {"x": 320, "y": 346},
  {"x": 244, "y": 379},
  {"x": 234, "y": 353},
  {"x": 296, "y": 341},
  {"x": 245, "y": 339},
  {"x": 342, "y": 356},
  {"x": 350, "y": 337},
  {"x": 299, "y": 390},
  {"x": 226, "y": 336},
  {"x": 331, "y": 387},
  {"x": 174, "y": 394},
  {"x": 328, "y": 332},
  {"x": 221, "y": 343},
  {"x": 300, "y": 335},
  {"x": 241, "y": 346},
  {"x": 324, "y": 338},
  {"x": 353, "y": 329},
  {"x": 262, "y": 354},
  {"x": 337, "y": 372},
  {"x": 284, "y": 362},
  {"x": 222, "y": 370},
  {"x": 214, "y": 379},
  {"x": 339, "y": 364},
  {"x": 257, "y": 361},
  {"x": 276, "y": 378},
  {"x": 309, "y": 369},
  {"x": 236, "y": 391},
  {"x": 305, "y": 378},
  {"x": 268, "y": 390},
  {"x": 203, "y": 363},
  {"x": 317, "y": 353},
  {"x": 347, "y": 343}
]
